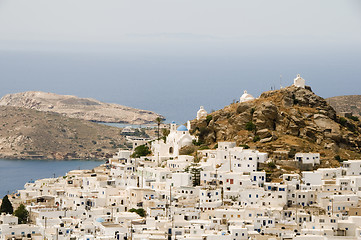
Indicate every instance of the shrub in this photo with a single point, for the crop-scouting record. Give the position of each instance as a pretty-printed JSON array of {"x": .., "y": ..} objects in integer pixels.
[
  {"x": 196, "y": 143},
  {"x": 338, "y": 158},
  {"x": 203, "y": 147},
  {"x": 209, "y": 118},
  {"x": 354, "y": 118},
  {"x": 271, "y": 165},
  {"x": 256, "y": 138},
  {"x": 141, "y": 151},
  {"x": 139, "y": 211},
  {"x": 244, "y": 146},
  {"x": 250, "y": 126},
  {"x": 343, "y": 121}
]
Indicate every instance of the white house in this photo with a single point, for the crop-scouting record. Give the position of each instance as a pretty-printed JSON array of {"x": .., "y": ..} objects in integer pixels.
[
  {"x": 308, "y": 158},
  {"x": 352, "y": 167},
  {"x": 210, "y": 198}
]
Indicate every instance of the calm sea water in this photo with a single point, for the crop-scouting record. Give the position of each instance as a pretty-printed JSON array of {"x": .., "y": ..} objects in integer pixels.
[
  {"x": 123, "y": 125},
  {"x": 15, "y": 173}
]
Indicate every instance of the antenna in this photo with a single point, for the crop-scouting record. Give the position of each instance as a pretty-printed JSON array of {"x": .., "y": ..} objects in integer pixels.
[{"x": 281, "y": 81}]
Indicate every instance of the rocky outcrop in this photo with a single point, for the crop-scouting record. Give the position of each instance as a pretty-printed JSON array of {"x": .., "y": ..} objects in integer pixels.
[
  {"x": 82, "y": 108},
  {"x": 292, "y": 118},
  {"x": 348, "y": 103}
]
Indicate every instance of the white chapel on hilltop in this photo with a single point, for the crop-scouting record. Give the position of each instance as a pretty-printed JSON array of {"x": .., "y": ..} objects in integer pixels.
[
  {"x": 246, "y": 97},
  {"x": 299, "y": 82},
  {"x": 201, "y": 113}
]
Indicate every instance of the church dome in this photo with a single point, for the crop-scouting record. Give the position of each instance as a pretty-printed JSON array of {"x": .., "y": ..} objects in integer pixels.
[
  {"x": 182, "y": 128},
  {"x": 186, "y": 142},
  {"x": 201, "y": 113},
  {"x": 246, "y": 97}
]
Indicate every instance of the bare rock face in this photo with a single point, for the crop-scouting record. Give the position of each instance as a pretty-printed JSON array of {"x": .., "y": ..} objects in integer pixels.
[
  {"x": 294, "y": 118},
  {"x": 348, "y": 103},
  {"x": 82, "y": 108}
]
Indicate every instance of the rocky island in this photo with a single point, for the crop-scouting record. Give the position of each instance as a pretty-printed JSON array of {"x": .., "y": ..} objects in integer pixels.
[{"x": 83, "y": 108}]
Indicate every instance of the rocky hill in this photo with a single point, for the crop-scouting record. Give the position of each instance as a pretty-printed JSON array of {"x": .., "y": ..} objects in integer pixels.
[
  {"x": 349, "y": 103},
  {"x": 27, "y": 133},
  {"x": 292, "y": 119},
  {"x": 82, "y": 108}
]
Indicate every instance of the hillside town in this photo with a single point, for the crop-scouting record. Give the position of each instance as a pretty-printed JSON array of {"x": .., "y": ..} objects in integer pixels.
[{"x": 222, "y": 193}]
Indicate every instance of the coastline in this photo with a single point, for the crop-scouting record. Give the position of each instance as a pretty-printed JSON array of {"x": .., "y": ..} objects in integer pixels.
[{"x": 16, "y": 173}]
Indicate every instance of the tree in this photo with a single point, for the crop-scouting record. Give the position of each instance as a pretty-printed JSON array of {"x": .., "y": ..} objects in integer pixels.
[
  {"x": 6, "y": 206},
  {"x": 22, "y": 214},
  {"x": 141, "y": 151},
  {"x": 158, "y": 120},
  {"x": 165, "y": 133},
  {"x": 196, "y": 176}
]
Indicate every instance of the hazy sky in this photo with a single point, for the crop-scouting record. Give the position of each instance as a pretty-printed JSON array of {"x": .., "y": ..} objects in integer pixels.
[{"x": 172, "y": 56}]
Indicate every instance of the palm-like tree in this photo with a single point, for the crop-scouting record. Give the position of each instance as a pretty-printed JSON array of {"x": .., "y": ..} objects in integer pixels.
[{"x": 158, "y": 120}]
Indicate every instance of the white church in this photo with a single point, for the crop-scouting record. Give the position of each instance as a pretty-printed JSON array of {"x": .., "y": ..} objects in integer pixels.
[
  {"x": 202, "y": 113},
  {"x": 299, "y": 81},
  {"x": 177, "y": 138},
  {"x": 246, "y": 97}
]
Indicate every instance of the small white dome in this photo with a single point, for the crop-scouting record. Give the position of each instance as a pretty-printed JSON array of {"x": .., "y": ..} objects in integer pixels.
[
  {"x": 246, "y": 97},
  {"x": 201, "y": 113}
]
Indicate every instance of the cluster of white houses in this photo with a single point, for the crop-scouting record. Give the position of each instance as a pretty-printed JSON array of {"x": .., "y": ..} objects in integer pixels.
[{"x": 219, "y": 195}]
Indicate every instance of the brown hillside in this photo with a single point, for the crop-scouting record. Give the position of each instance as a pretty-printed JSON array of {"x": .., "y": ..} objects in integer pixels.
[
  {"x": 350, "y": 103},
  {"x": 292, "y": 119},
  {"x": 26, "y": 133}
]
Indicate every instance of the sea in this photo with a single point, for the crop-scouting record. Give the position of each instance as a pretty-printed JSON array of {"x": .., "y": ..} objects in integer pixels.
[{"x": 15, "y": 173}]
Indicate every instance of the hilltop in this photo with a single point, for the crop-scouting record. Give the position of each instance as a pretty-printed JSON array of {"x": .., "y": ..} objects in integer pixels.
[
  {"x": 349, "y": 103},
  {"x": 83, "y": 108},
  {"x": 292, "y": 119},
  {"x": 27, "y": 133}
]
